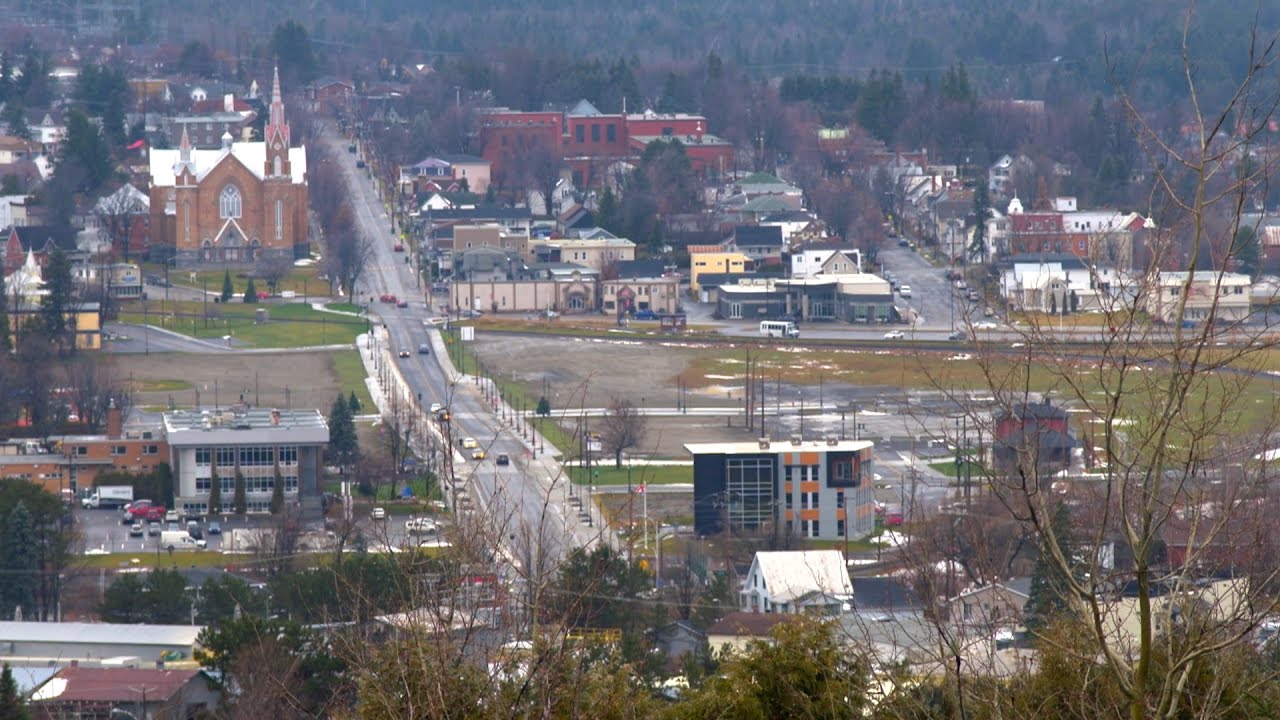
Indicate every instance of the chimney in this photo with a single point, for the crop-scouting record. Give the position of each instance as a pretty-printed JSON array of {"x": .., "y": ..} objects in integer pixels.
[
  {"x": 229, "y": 103},
  {"x": 115, "y": 423}
]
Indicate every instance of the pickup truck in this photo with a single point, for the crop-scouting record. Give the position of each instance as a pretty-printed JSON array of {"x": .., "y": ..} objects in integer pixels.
[{"x": 149, "y": 513}]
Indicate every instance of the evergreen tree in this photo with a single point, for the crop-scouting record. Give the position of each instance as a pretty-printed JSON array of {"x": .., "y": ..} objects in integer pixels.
[
  {"x": 21, "y": 564},
  {"x": 15, "y": 118},
  {"x": 6, "y": 343},
  {"x": 250, "y": 292},
  {"x": 241, "y": 503},
  {"x": 343, "y": 443},
  {"x": 544, "y": 406},
  {"x": 981, "y": 212},
  {"x": 85, "y": 148},
  {"x": 227, "y": 290},
  {"x": 215, "y": 490},
  {"x": 277, "y": 489},
  {"x": 56, "y": 304},
  {"x": 11, "y": 705},
  {"x": 1049, "y": 594},
  {"x": 353, "y": 403},
  {"x": 607, "y": 215}
]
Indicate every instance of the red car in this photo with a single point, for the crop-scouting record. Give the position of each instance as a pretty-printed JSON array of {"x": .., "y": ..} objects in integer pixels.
[
  {"x": 387, "y": 299},
  {"x": 399, "y": 247},
  {"x": 148, "y": 513}
]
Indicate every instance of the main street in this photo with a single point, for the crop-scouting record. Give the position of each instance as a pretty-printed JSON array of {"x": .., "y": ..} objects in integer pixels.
[{"x": 526, "y": 501}]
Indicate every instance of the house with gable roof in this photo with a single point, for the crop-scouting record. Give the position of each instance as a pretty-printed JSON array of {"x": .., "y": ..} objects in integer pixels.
[
  {"x": 797, "y": 581},
  {"x": 236, "y": 204}
]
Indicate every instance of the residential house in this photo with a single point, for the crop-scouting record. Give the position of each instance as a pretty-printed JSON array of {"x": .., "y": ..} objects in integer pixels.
[
  {"x": 734, "y": 632},
  {"x": 330, "y": 94},
  {"x": 598, "y": 251},
  {"x": 813, "y": 489},
  {"x": 118, "y": 280},
  {"x": 38, "y": 240},
  {"x": 1059, "y": 284},
  {"x": 49, "y": 133},
  {"x": 474, "y": 170},
  {"x": 989, "y": 606},
  {"x": 1033, "y": 434},
  {"x": 206, "y": 131},
  {"x": 761, "y": 243},
  {"x": 159, "y": 694},
  {"x": 830, "y": 260},
  {"x": 1003, "y": 173},
  {"x": 798, "y": 227},
  {"x": 714, "y": 259},
  {"x": 15, "y": 149},
  {"x": 680, "y": 638},
  {"x": 797, "y": 581},
  {"x": 1222, "y": 295}
]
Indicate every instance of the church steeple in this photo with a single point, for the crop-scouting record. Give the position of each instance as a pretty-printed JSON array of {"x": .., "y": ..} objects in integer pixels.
[
  {"x": 276, "y": 127},
  {"x": 184, "y": 155}
]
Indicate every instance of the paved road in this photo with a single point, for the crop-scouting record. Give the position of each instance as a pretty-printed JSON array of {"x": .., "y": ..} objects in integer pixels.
[{"x": 526, "y": 501}]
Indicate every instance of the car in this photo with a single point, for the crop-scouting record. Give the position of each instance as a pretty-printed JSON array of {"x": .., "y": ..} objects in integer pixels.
[
  {"x": 360, "y": 164},
  {"x": 420, "y": 526},
  {"x": 985, "y": 325},
  {"x": 436, "y": 408},
  {"x": 172, "y": 527},
  {"x": 402, "y": 304},
  {"x": 904, "y": 291},
  {"x": 387, "y": 298},
  {"x": 988, "y": 311},
  {"x": 503, "y": 459},
  {"x": 469, "y": 443},
  {"x": 424, "y": 349},
  {"x": 399, "y": 247},
  {"x": 135, "y": 530},
  {"x": 172, "y": 517},
  {"x": 153, "y": 529},
  {"x": 214, "y": 528},
  {"x": 958, "y": 335},
  {"x": 894, "y": 335},
  {"x": 379, "y": 513},
  {"x": 903, "y": 242},
  {"x": 195, "y": 533},
  {"x": 351, "y": 148},
  {"x": 404, "y": 353},
  {"x": 646, "y": 315},
  {"x": 477, "y": 454}
]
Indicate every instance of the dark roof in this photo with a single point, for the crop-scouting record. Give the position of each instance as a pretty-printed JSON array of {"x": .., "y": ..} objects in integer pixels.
[
  {"x": 120, "y": 685},
  {"x": 461, "y": 158},
  {"x": 883, "y": 593},
  {"x": 483, "y": 213},
  {"x": 790, "y": 216},
  {"x": 1043, "y": 439},
  {"x": 757, "y": 236},
  {"x": 748, "y": 624},
  {"x": 628, "y": 269},
  {"x": 1067, "y": 260},
  {"x": 37, "y": 237}
]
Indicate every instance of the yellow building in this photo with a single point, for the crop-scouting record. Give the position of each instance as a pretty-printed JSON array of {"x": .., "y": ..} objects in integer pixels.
[
  {"x": 715, "y": 260},
  {"x": 84, "y": 321}
]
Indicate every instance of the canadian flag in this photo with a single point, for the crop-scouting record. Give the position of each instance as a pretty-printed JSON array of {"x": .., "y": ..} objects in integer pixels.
[{"x": 640, "y": 489}]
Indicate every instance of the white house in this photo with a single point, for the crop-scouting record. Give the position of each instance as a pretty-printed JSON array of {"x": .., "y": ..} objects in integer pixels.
[
  {"x": 825, "y": 261},
  {"x": 1227, "y": 295},
  {"x": 796, "y": 581},
  {"x": 1059, "y": 284}
]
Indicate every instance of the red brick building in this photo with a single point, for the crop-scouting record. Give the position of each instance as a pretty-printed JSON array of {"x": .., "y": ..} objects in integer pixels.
[
  {"x": 236, "y": 204},
  {"x": 40, "y": 240},
  {"x": 589, "y": 140}
]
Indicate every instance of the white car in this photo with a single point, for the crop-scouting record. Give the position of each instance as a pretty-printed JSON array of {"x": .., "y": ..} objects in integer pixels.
[
  {"x": 904, "y": 291},
  {"x": 436, "y": 407},
  {"x": 985, "y": 325},
  {"x": 420, "y": 526},
  {"x": 379, "y": 513},
  {"x": 894, "y": 335}
]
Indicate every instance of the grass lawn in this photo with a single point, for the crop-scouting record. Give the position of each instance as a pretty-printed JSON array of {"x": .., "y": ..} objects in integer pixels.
[
  {"x": 607, "y": 474},
  {"x": 948, "y": 468},
  {"x": 189, "y": 558},
  {"x": 351, "y": 375},
  {"x": 160, "y": 385},
  {"x": 288, "y": 324},
  {"x": 297, "y": 280}
]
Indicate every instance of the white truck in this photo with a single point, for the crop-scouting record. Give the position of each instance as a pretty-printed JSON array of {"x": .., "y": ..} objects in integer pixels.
[
  {"x": 180, "y": 540},
  {"x": 108, "y": 496}
]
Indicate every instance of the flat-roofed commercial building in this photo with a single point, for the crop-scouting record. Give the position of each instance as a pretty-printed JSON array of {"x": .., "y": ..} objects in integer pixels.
[
  {"x": 815, "y": 489},
  {"x": 254, "y": 443}
]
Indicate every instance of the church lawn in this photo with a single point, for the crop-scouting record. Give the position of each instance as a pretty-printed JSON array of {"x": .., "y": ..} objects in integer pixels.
[
  {"x": 297, "y": 280},
  {"x": 288, "y": 324}
]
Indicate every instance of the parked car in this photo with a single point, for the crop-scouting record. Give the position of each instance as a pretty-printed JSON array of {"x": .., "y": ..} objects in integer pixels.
[
  {"x": 402, "y": 304},
  {"x": 153, "y": 528},
  {"x": 646, "y": 315},
  {"x": 894, "y": 335},
  {"x": 424, "y": 349},
  {"x": 905, "y": 291},
  {"x": 135, "y": 530},
  {"x": 360, "y": 164},
  {"x": 172, "y": 516},
  {"x": 399, "y": 247},
  {"x": 985, "y": 325},
  {"x": 420, "y": 526},
  {"x": 469, "y": 443},
  {"x": 351, "y": 148},
  {"x": 379, "y": 513},
  {"x": 391, "y": 299},
  {"x": 503, "y": 459},
  {"x": 215, "y": 528}
]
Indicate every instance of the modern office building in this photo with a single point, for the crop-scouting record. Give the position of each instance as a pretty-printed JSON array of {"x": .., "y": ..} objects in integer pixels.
[
  {"x": 814, "y": 489},
  {"x": 251, "y": 442}
]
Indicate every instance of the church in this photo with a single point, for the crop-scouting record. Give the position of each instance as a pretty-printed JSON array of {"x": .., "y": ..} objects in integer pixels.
[{"x": 232, "y": 205}]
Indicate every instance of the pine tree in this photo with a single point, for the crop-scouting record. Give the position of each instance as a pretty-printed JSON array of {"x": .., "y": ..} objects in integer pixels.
[
  {"x": 21, "y": 564},
  {"x": 227, "y": 290},
  {"x": 250, "y": 292},
  {"x": 981, "y": 212},
  {"x": 343, "y": 443},
  {"x": 353, "y": 403},
  {"x": 6, "y": 343},
  {"x": 215, "y": 491},
  {"x": 11, "y": 706},
  {"x": 1049, "y": 593},
  {"x": 241, "y": 503},
  {"x": 59, "y": 289}
]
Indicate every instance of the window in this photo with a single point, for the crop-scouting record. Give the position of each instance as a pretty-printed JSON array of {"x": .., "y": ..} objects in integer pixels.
[
  {"x": 288, "y": 454},
  {"x": 82, "y": 450},
  {"x": 229, "y": 203},
  {"x": 279, "y": 216},
  {"x": 580, "y": 133},
  {"x": 611, "y": 132},
  {"x": 840, "y": 500},
  {"x": 226, "y": 456},
  {"x": 275, "y": 166},
  {"x": 839, "y": 528},
  {"x": 150, "y": 450},
  {"x": 595, "y": 132},
  {"x": 203, "y": 484},
  {"x": 203, "y": 455},
  {"x": 119, "y": 450},
  {"x": 186, "y": 220}
]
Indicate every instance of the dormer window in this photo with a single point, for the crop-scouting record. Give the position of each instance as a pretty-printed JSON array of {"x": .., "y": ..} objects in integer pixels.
[{"x": 229, "y": 203}]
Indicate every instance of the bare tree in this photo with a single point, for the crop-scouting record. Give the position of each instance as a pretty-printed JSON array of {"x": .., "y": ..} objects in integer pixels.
[
  {"x": 539, "y": 171},
  {"x": 274, "y": 269},
  {"x": 117, "y": 215},
  {"x": 347, "y": 252},
  {"x": 622, "y": 428},
  {"x": 94, "y": 385}
]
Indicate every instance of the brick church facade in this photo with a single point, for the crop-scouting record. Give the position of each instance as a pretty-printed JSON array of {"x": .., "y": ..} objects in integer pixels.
[{"x": 232, "y": 205}]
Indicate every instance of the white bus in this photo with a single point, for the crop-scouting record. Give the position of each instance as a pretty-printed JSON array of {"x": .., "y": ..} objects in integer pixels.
[{"x": 779, "y": 328}]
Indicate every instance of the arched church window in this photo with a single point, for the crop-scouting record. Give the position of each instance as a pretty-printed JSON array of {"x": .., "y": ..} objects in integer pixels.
[{"x": 229, "y": 202}]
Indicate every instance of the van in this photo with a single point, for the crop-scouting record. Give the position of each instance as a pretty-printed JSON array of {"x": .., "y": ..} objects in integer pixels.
[
  {"x": 779, "y": 328},
  {"x": 180, "y": 540}
]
